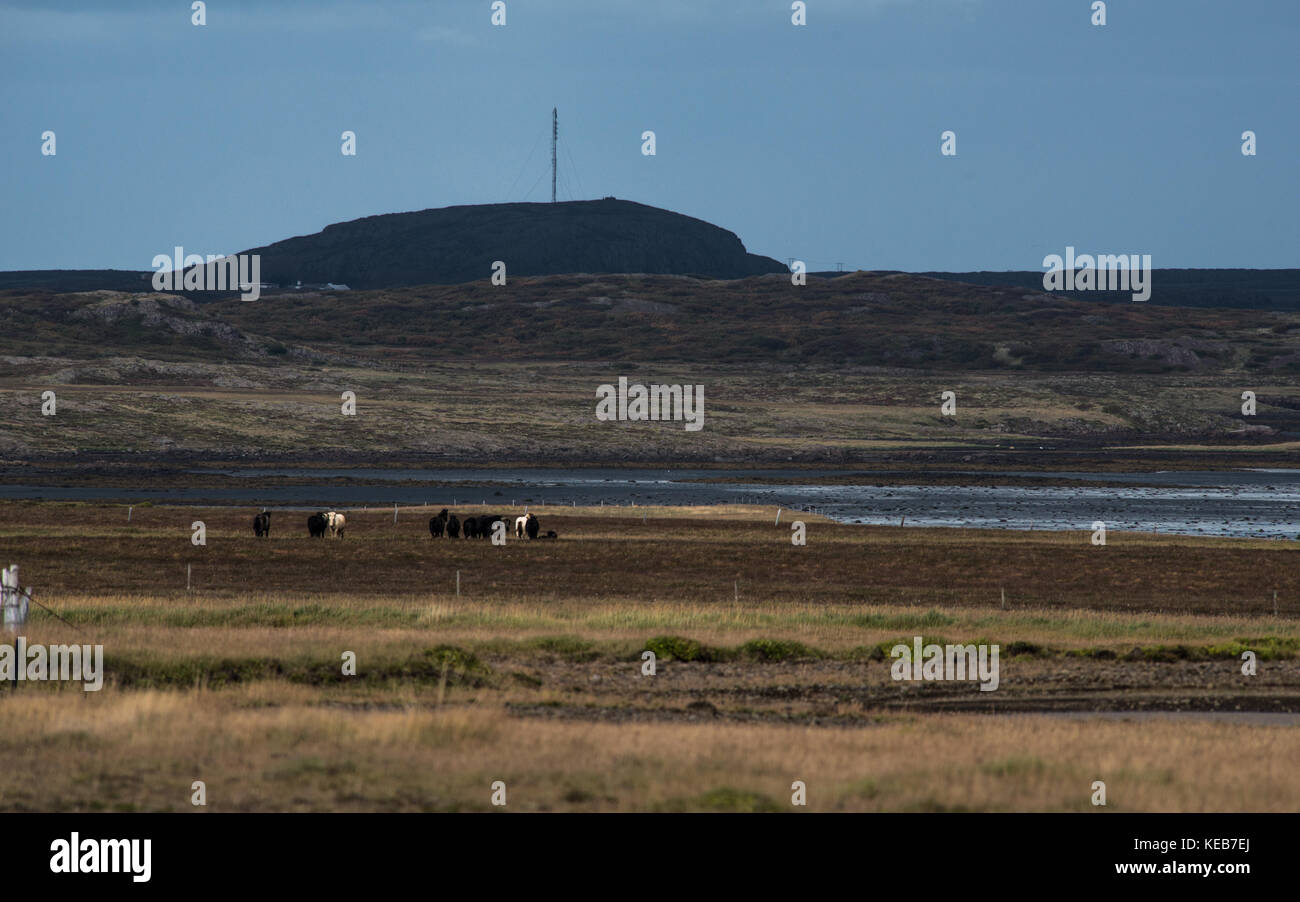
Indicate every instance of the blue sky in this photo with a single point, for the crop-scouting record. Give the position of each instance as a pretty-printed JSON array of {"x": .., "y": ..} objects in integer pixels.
[{"x": 819, "y": 142}]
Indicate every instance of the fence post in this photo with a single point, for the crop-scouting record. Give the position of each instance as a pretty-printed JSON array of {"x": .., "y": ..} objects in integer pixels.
[{"x": 13, "y": 600}]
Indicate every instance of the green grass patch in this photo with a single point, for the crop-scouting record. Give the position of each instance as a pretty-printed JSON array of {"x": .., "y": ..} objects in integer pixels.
[
  {"x": 677, "y": 648},
  {"x": 777, "y": 650},
  {"x": 906, "y": 621},
  {"x": 148, "y": 672},
  {"x": 1266, "y": 648}
]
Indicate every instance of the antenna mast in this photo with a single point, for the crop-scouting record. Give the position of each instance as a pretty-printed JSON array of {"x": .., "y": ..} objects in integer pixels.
[{"x": 555, "y": 136}]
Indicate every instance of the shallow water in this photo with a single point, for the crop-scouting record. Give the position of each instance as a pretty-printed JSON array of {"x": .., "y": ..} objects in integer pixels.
[{"x": 1255, "y": 503}]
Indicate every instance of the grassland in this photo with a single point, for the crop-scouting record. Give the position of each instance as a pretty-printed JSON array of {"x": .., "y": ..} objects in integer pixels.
[
  {"x": 846, "y": 369},
  {"x": 772, "y": 666},
  {"x": 260, "y": 747},
  {"x": 545, "y": 412}
]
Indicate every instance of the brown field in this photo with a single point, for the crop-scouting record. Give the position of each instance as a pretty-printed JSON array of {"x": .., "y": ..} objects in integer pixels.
[
  {"x": 1119, "y": 664},
  {"x": 644, "y": 555}
]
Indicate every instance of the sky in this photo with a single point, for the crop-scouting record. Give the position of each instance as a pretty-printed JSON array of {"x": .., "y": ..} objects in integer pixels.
[{"x": 818, "y": 142}]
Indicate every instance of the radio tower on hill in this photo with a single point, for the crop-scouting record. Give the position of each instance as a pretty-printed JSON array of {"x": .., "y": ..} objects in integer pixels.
[{"x": 555, "y": 136}]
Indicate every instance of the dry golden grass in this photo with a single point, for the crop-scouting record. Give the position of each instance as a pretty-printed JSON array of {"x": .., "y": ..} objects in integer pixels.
[{"x": 260, "y": 748}]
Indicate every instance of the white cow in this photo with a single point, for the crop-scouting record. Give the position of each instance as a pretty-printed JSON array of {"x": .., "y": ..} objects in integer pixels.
[
  {"x": 521, "y": 523},
  {"x": 335, "y": 522}
]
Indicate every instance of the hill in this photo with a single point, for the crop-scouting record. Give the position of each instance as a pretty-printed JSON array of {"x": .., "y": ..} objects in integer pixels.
[
  {"x": 1253, "y": 289},
  {"x": 64, "y": 281},
  {"x": 858, "y": 319},
  {"x": 452, "y": 245}
]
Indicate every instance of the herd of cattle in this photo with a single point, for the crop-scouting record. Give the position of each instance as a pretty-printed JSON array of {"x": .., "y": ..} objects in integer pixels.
[{"x": 480, "y": 527}]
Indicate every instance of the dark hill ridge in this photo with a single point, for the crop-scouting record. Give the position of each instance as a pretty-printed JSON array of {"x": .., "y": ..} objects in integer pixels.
[
  {"x": 452, "y": 245},
  {"x": 858, "y": 319},
  {"x": 1255, "y": 289}
]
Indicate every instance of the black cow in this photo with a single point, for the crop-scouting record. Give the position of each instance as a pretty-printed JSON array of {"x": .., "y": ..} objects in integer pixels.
[
  {"x": 470, "y": 527},
  {"x": 550, "y": 534},
  {"x": 316, "y": 526},
  {"x": 438, "y": 524},
  {"x": 485, "y": 524},
  {"x": 262, "y": 524},
  {"x": 453, "y": 527},
  {"x": 531, "y": 526}
]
